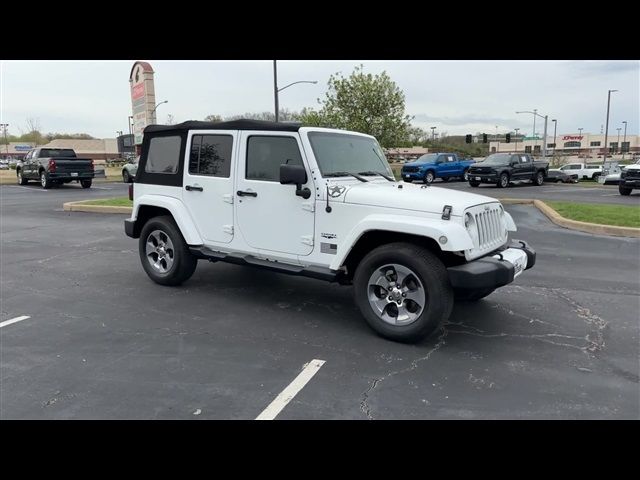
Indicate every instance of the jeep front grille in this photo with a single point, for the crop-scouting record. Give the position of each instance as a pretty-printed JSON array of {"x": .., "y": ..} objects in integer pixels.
[{"x": 490, "y": 228}]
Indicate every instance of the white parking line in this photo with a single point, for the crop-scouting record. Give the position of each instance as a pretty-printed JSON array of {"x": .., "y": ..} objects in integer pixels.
[
  {"x": 14, "y": 320},
  {"x": 29, "y": 188},
  {"x": 291, "y": 391}
]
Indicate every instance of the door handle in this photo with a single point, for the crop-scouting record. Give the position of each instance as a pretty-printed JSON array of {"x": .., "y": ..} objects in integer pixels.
[
  {"x": 193, "y": 187},
  {"x": 242, "y": 193}
]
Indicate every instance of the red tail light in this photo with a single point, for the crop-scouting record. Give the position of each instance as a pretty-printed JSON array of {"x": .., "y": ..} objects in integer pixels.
[
  {"x": 131, "y": 191},
  {"x": 52, "y": 166}
]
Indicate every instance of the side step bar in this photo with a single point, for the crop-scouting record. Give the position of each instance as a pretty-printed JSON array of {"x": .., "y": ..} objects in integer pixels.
[{"x": 321, "y": 273}]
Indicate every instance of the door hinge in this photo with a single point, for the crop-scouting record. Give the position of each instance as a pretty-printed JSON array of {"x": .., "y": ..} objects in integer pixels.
[
  {"x": 309, "y": 207},
  {"x": 227, "y": 197},
  {"x": 228, "y": 229},
  {"x": 307, "y": 240}
]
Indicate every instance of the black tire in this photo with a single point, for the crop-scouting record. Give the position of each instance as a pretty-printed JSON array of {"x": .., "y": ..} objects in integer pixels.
[
  {"x": 595, "y": 177},
  {"x": 85, "y": 183},
  {"x": 624, "y": 190},
  {"x": 474, "y": 184},
  {"x": 472, "y": 295},
  {"x": 45, "y": 181},
  {"x": 431, "y": 272},
  {"x": 20, "y": 178},
  {"x": 429, "y": 177},
  {"x": 539, "y": 180},
  {"x": 503, "y": 181},
  {"x": 184, "y": 263},
  {"x": 126, "y": 178},
  {"x": 465, "y": 174}
]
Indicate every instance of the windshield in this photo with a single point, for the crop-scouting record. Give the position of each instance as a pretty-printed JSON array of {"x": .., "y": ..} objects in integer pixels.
[
  {"x": 497, "y": 159},
  {"x": 339, "y": 152},
  {"x": 428, "y": 158}
]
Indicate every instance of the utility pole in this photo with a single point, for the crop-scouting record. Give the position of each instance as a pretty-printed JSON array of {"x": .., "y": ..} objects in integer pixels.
[
  {"x": 606, "y": 132},
  {"x": 433, "y": 134},
  {"x": 516, "y": 129},
  {"x": 275, "y": 88},
  {"x": 544, "y": 138},
  {"x": 555, "y": 129},
  {"x": 6, "y": 143},
  {"x": 624, "y": 140}
]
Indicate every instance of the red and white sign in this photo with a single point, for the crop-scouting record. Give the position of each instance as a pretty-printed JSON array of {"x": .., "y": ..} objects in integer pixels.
[
  {"x": 572, "y": 137},
  {"x": 137, "y": 91}
]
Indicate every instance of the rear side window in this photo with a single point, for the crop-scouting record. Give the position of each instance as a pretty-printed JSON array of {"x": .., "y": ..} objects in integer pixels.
[
  {"x": 266, "y": 154},
  {"x": 164, "y": 155},
  {"x": 211, "y": 155}
]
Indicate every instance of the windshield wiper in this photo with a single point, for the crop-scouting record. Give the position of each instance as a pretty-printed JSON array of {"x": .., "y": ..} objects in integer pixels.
[
  {"x": 345, "y": 174},
  {"x": 371, "y": 172}
]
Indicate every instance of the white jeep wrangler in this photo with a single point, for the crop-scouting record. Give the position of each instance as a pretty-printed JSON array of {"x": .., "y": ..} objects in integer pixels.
[{"x": 321, "y": 203}]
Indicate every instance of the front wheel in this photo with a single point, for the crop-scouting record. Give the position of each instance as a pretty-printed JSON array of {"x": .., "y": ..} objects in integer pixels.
[
  {"x": 403, "y": 291},
  {"x": 624, "y": 190},
  {"x": 503, "y": 182},
  {"x": 21, "y": 179},
  {"x": 163, "y": 252},
  {"x": 539, "y": 180},
  {"x": 85, "y": 183},
  {"x": 429, "y": 177}
]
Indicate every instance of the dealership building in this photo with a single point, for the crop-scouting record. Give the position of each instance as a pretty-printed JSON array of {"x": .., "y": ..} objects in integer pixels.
[{"x": 585, "y": 144}]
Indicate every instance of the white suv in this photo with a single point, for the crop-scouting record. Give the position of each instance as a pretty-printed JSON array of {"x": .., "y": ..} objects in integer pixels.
[{"x": 321, "y": 203}]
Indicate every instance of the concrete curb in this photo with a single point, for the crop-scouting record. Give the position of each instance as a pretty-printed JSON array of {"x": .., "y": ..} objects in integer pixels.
[
  {"x": 561, "y": 221},
  {"x": 82, "y": 207}
]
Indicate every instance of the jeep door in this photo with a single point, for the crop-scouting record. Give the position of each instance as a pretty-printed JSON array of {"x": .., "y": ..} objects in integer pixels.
[
  {"x": 208, "y": 184},
  {"x": 270, "y": 215}
]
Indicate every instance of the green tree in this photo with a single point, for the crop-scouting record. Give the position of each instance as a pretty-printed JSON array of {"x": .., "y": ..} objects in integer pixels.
[{"x": 366, "y": 103}]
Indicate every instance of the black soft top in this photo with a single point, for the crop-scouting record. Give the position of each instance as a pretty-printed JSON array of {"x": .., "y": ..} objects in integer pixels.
[{"x": 242, "y": 124}]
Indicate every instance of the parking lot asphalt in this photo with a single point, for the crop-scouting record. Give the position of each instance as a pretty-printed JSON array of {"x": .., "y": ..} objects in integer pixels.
[
  {"x": 103, "y": 341},
  {"x": 560, "y": 191}
]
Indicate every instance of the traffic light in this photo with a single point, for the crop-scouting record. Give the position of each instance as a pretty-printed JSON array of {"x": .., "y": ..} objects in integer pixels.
[
  {"x": 468, "y": 139},
  {"x": 484, "y": 138},
  {"x": 508, "y": 138}
]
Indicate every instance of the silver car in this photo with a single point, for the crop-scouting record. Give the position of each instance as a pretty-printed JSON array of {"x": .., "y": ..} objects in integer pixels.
[{"x": 130, "y": 169}]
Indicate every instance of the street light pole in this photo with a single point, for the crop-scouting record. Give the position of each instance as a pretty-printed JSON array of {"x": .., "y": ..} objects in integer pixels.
[
  {"x": 624, "y": 140},
  {"x": 618, "y": 142},
  {"x": 153, "y": 112},
  {"x": 606, "y": 131},
  {"x": 433, "y": 134},
  {"x": 6, "y": 143},
  {"x": 535, "y": 135},
  {"x": 516, "y": 129},
  {"x": 276, "y": 90},
  {"x": 546, "y": 117},
  {"x": 544, "y": 138},
  {"x": 555, "y": 129}
]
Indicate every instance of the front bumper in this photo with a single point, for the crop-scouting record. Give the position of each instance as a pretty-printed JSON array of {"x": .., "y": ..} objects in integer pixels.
[
  {"x": 495, "y": 270},
  {"x": 482, "y": 177},
  {"x": 412, "y": 175},
  {"x": 633, "y": 183}
]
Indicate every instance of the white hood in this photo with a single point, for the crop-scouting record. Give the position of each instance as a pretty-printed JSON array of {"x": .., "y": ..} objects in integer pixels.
[{"x": 409, "y": 196}]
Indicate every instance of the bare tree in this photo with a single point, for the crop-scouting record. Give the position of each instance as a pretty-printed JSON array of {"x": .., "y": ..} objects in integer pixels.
[
  {"x": 170, "y": 120},
  {"x": 213, "y": 118}
]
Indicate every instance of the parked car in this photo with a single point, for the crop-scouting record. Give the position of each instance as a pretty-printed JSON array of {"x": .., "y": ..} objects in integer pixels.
[
  {"x": 612, "y": 179},
  {"x": 54, "y": 166},
  {"x": 436, "y": 165},
  {"x": 629, "y": 178},
  {"x": 503, "y": 168},
  {"x": 130, "y": 169},
  {"x": 558, "y": 176},
  {"x": 248, "y": 193},
  {"x": 584, "y": 171}
]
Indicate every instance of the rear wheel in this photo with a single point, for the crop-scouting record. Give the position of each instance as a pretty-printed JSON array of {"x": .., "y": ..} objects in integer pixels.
[
  {"x": 21, "y": 179},
  {"x": 44, "y": 180},
  {"x": 163, "y": 252},
  {"x": 595, "y": 177},
  {"x": 624, "y": 190},
  {"x": 539, "y": 180},
  {"x": 503, "y": 182},
  {"x": 403, "y": 291},
  {"x": 474, "y": 184},
  {"x": 85, "y": 183}
]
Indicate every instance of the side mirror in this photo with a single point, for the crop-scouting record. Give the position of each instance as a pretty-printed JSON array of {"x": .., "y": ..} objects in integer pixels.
[{"x": 295, "y": 175}]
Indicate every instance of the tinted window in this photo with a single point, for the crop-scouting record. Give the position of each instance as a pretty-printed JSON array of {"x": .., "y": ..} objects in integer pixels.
[
  {"x": 210, "y": 155},
  {"x": 164, "y": 155},
  {"x": 56, "y": 152},
  {"x": 266, "y": 154}
]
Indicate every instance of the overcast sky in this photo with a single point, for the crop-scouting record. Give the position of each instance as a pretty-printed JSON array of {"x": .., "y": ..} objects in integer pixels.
[{"x": 458, "y": 97}]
